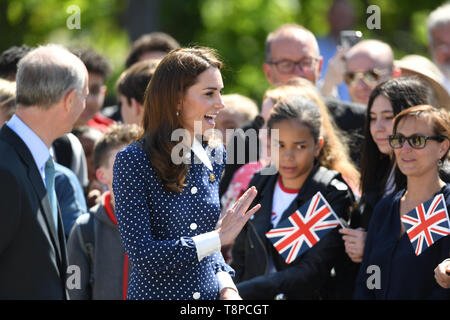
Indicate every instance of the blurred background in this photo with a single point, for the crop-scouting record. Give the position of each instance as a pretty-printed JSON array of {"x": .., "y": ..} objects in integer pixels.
[{"x": 236, "y": 28}]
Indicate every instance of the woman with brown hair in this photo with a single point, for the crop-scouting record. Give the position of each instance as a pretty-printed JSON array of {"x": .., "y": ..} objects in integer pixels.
[
  {"x": 166, "y": 190},
  {"x": 378, "y": 177},
  {"x": 408, "y": 232}
]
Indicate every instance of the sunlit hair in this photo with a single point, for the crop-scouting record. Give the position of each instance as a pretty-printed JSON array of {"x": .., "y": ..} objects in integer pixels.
[
  {"x": 334, "y": 155},
  {"x": 7, "y": 98},
  {"x": 240, "y": 105},
  {"x": 175, "y": 74}
]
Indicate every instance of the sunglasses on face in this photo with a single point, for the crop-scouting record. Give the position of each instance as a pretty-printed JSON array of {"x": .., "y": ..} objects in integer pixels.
[
  {"x": 369, "y": 77},
  {"x": 416, "y": 141}
]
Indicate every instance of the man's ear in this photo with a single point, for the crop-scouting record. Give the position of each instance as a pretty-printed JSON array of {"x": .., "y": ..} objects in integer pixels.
[
  {"x": 319, "y": 69},
  {"x": 267, "y": 72},
  {"x": 104, "y": 90},
  {"x": 100, "y": 175},
  {"x": 68, "y": 99},
  {"x": 135, "y": 106},
  {"x": 396, "y": 72},
  {"x": 140, "y": 109}
]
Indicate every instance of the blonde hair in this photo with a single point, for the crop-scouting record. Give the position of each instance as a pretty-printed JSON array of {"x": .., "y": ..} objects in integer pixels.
[
  {"x": 238, "y": 104},
  {"x": 335, "y": 153},
  {"x": 7, "y": 98}
]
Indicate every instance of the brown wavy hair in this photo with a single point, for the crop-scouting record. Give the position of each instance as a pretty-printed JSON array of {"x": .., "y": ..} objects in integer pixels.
[{"x": 174, "y": 75}]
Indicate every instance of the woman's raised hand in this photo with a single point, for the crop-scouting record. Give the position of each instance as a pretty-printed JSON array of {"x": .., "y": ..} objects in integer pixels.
[{"x": 236, "y": 217}]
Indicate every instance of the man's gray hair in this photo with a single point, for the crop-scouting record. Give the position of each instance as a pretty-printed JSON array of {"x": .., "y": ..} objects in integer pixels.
[
  {"x": 46, "y": 74},
  {"x": 440, "y": 16}
]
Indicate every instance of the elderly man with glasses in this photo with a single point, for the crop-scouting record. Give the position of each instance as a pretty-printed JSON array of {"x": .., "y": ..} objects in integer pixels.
[{"x": 292, "y": 51}]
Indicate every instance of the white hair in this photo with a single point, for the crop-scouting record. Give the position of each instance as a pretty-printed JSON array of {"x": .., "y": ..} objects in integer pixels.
[
  {"x": 440, "y": 16},
  {"x": 46, "y": 74}
]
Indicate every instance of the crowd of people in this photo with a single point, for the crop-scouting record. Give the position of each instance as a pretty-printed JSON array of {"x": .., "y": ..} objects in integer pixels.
[{"x": 145, "y": 215}]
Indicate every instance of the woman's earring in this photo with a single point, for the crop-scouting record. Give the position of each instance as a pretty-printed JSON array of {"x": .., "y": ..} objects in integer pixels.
[
  {"x": 177, "y": 113},
  {"x": 440, "y": 163}
]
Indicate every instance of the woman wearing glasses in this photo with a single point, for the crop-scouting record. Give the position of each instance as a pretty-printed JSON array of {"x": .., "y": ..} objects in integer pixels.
[
  {"x": 392, "y": 267},
  {"x": 377, "y": 175}
]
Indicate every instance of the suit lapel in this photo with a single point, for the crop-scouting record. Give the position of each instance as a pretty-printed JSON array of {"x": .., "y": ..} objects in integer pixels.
[{"x": 36, "y": 182}]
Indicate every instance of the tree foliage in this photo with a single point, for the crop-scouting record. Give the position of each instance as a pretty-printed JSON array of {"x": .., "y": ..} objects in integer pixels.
[{"x": 236, "y": 28}]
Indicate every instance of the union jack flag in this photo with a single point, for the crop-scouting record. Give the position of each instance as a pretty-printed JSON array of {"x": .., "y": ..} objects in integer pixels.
[
  {"x": 427, "y": 223},
  {"x": 304, "y": 228}
]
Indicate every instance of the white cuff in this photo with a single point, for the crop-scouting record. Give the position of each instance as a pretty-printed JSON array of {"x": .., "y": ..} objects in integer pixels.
[
  {"x": 225, "y": 281},
  {"x": 207, "y": 243}
]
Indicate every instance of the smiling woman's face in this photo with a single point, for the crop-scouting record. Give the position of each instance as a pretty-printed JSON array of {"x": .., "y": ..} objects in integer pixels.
[
  {"x": 418, "y": 162},
  {"x": 202, "y": 102}
]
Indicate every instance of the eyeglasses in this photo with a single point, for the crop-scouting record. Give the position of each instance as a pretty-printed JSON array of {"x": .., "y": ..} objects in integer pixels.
[
  {"x": 369, "y": 76},
  {"x": 416, "y": 141},
  {"x": 288, "y": 66}
]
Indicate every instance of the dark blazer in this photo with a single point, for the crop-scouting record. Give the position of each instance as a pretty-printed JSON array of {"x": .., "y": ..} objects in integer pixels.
[
  {"x": 402, "y": 275},
  {"x": 33, "y": 259},
  {"x": 308, "y": 276}
]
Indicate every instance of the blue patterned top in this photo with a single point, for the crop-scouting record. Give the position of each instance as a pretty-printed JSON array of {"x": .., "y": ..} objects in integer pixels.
[{"x": 157, "y": 226}]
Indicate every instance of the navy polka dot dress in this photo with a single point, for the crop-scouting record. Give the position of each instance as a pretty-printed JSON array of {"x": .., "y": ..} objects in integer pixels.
[{"x": 157, "y": 226}]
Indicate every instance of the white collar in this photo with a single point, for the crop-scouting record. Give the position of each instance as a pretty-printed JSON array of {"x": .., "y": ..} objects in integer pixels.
[{"x": 197, "y": 148}]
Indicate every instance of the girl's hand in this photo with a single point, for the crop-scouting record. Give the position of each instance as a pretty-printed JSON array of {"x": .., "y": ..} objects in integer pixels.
[
  {"x": 236, "y": 217},
  {"x": 354, "y": 240}
]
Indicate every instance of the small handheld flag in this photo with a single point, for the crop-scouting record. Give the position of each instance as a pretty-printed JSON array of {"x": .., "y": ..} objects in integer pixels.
[
  {"x": 304, "y": 228},
  {"x": 427, "y": 223}
]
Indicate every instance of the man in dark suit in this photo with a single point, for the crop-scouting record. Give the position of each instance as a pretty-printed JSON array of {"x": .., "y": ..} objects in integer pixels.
[{"x": 51, "y": 93}]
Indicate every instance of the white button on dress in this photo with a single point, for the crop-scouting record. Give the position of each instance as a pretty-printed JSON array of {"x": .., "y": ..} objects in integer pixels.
[
  {"x": 193, "y": 226},
  {"x": 196, "y": 295},
  {"x": 194, "y": 190}
]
